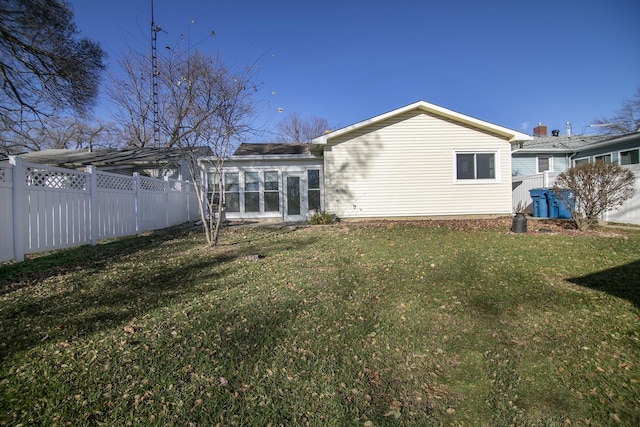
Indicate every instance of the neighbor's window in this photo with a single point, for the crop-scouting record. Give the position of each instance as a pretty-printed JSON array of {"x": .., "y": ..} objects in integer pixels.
[
  {"x": 629, "y": 157},
  {"x": 543, "y": 164},
  {"x": 579, "y": 162},
  {"x": 604, "y": 158},
  {"x": 251, "y": 192},
  {"x": 271, "y": 191},
  {"x": 313, "y": 189},
  {"x": 471, "y": 166},
  {"x": 232, "y": 192}
]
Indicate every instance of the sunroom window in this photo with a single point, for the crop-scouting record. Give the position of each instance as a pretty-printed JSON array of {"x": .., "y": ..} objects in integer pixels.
[
  {"x": 251, "y": 192},
  {"x": 232, "y": 192},
  {"x": 271, "y": 191},
  {"x": 313, "y": 191}
]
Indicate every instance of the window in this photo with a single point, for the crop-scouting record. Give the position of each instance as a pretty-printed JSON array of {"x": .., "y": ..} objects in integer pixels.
[
  {"x": 604, "y": 158},
  {"x": 251, "y": 192},
  {"x": 629, "y": 157},
  {"x": 582, "y": 161},
  {"x": 232, "y": 192},
  {"x": 472, "y": 166},
  {"x": 313, "y": 189},
  {"x": 544, "y": 164},
  {"x": 271, "y": 191},
  {"x": 213, "y": 180}
]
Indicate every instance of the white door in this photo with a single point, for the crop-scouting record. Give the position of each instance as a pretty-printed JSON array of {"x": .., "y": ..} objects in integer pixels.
[{"x": 295, "y": 208}]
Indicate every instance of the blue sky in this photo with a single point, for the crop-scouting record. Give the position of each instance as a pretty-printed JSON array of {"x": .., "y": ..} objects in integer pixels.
[{"x": 513, "y": 63}]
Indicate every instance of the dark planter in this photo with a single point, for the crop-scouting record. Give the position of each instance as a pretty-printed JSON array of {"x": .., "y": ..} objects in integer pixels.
[{"x": 519, "y": 224}]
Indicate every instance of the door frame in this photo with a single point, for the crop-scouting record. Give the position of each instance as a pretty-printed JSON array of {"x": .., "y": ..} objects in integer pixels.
[{"x": 302, "y": 194}]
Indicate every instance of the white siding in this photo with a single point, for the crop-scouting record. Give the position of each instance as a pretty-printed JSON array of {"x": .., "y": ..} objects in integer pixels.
[{"x": 405, "y": 167}]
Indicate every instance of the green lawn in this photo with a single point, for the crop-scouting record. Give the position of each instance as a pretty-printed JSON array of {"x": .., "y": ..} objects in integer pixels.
[{"x": 364, "y": 325}]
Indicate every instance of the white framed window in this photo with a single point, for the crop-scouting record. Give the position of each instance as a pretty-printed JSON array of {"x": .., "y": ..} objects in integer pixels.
[
  {"x": 313, "y": 190},
  {"x": 630, "y": 157},
  {"x": 232, "y": 191},
  {"x": 476, "y": 167},
  {"x": 581, "y": 161},
  {"x": 271, "y": 191},
  {"x": 544, "y": 163},
  {"x": 603, "y": 158},
  {"x": 252, "y": 192}
]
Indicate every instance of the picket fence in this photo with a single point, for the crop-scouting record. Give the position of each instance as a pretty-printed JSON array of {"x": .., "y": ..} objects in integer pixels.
[
  {"x": 44, "y": 208},
  {"x": 629, "y": 213}
]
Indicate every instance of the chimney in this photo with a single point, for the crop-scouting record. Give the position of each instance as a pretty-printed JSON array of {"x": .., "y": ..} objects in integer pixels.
[{"x": 540, "y": 130}]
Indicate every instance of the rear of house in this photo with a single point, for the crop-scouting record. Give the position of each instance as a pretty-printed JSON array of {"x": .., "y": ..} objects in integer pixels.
[{"x": 418, "y": 161}]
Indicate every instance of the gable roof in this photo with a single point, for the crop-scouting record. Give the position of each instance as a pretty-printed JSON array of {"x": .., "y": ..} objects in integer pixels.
[
  {"x": 508, "y": 134},
  {"x": 571, "y": 144},
  {"x": 271, "y": 149}
]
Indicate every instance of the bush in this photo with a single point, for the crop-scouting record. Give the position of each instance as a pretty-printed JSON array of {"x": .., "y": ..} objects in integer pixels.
[
  {"x": 322, "y": 218},
  {"x": 598, "y": 187}
]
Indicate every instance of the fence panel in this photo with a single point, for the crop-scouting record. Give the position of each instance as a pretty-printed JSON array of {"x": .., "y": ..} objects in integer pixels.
[
  {"x": 115, "y": 205},
  {"x": 152, "y": 204},
  {"x": 6, "y": 212},
  {"x": 44, "y": 208},
  {"x": 629, "y": 213},
  {"x": 520, "y": 186},
  {"x": 55, "y": 206}
]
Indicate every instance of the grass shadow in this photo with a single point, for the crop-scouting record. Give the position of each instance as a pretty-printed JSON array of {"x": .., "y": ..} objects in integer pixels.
[
  {"x": 622, "y": 282},
  {"x": 73, "y": 294}
]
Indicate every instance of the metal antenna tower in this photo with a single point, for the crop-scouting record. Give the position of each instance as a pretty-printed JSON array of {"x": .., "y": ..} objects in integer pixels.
[{"x": 154, "y": 80}]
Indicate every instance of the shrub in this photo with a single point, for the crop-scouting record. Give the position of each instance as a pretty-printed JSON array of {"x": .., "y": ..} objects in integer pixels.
[
  {"x": 597, "y": 187},
  {"x": 322, "y": 218}
]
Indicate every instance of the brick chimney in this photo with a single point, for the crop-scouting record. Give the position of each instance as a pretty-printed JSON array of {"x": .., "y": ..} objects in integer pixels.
[{"x": 540, "y": 130}]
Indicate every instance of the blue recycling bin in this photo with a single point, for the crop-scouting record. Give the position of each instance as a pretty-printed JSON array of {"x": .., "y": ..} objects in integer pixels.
[
  {"x": 540, "y": 203},
  {"x": 557, "y": 206}
]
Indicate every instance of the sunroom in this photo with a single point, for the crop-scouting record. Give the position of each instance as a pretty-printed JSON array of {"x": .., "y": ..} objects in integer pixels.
[{"x": 270, "y": 182}]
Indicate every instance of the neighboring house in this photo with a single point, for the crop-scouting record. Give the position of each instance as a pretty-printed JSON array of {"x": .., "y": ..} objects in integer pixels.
[
  {"x": 420, "y": 160},
  {"x": 538, "y": 162},
  {"x": 161, "y": 162},
  {"x": 559, "y": 153}
]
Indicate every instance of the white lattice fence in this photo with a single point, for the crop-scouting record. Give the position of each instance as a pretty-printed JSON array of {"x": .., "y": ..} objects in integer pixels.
[
  {"x": 44, "y": 208},
  {"x": 55, "y": 207},
  {"x": 115, "y": 205}
]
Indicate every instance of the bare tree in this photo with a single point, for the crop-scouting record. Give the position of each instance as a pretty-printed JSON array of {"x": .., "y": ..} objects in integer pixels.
[
  {"x": 43, "y": 66},
  {"x": 203, "y": 103},
  {"x": 595, "y": 189},
  {"x": 58, "y": 132},
  {"x": 130, "y": 92},
  {"x": 624, "y": 120},
  {"x": 296, "y": 129}
]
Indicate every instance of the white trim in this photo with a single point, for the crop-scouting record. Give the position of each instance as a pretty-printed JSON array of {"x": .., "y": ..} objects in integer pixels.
[{"x": 508, "y": 134}]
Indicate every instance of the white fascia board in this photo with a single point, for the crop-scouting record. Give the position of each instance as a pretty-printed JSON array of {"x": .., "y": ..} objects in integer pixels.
[{"x": 511, "y": 134}]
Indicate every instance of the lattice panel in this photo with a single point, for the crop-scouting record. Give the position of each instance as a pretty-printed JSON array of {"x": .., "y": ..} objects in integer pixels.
[
  {"x": 48, "y": 178},
  {"x": 111, "y": 182},
  {"x": 176, "y": 185},
  {"x": 151, "y": 184},
  {"x": 2, "y": 172}
]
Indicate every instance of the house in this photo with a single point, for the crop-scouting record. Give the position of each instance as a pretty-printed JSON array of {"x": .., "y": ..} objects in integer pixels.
[
  {"x": 558, "y": 153},
  {"x": 420, "y": 160},
  {"x": 537, "y": 162},
  {"x": 163, "y": 162}
]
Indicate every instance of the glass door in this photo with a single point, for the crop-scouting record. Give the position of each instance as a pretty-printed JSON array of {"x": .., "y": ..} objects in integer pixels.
[{"x": 293, "y": 206}]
